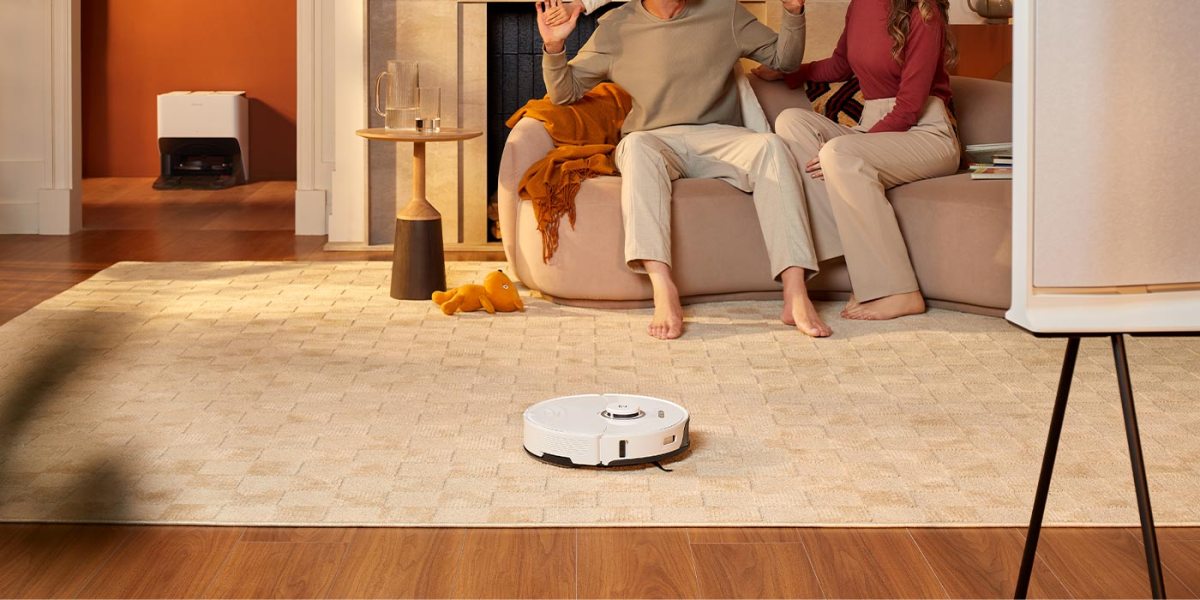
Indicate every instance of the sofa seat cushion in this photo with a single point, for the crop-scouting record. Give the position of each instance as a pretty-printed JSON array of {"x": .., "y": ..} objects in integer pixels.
[
  {"x": 716, "y": 243},
  {"x": 958, "y": 232}
]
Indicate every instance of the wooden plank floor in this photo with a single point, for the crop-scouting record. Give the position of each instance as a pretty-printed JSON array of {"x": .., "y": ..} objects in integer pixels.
[
  {"x": 126, "y": 220},
  {"x": 92, "y": 561}
]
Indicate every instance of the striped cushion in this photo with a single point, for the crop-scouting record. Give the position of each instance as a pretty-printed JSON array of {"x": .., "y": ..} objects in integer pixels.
[{"x": 841, "y": 101}]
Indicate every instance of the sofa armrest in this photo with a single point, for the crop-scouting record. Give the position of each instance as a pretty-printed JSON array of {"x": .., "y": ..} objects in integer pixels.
[{"x": 527, "y": 143}]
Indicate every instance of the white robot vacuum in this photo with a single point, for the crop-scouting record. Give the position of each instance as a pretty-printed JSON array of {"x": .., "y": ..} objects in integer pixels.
[{"x": 605, "y": 430}]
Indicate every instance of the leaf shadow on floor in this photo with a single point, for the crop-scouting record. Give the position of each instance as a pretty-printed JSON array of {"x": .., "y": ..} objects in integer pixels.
[{"x": 101, "y": 490}]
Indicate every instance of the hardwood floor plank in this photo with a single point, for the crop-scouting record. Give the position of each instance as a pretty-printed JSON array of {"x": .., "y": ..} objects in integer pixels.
[
  {"x": 400, "y": 563},
  {"x": 744, "y": 535},
  {"x": 15, "y": 558},
  {"x": 278, "y": 570},
  {"x": 60, "y": 559},
  {"x": 636, "y": 563},
  {"x": 1182, "y": 559},
  {"x": 1177, "y": 534},
  {"x": 517, "y": 563},
  {"x": 251, "y": 571},
  {"x": 323, "y": 535},
  {"x": 1100, "y": 562},
  {"x": 311, "y": 569},
  {"x": 742, "y": 570},
  {"x": 870, "y": 563},
  {"x": 164, "y": 561},
  {"x": 983, "y": 563}
]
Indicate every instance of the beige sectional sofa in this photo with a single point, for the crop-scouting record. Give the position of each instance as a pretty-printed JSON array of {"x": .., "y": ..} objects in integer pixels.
[{"x": 958, "y": 230}]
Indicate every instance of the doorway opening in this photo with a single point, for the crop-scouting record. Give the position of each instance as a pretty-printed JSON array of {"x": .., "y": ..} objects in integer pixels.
[{"x": 134, "y": 50}]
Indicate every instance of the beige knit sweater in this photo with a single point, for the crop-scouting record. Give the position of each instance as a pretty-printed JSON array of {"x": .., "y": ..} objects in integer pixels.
[{"x": 679, "y": 71}]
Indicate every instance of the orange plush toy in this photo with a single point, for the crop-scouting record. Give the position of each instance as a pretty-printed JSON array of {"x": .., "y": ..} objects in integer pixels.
[{"x": 498, "y": 293}]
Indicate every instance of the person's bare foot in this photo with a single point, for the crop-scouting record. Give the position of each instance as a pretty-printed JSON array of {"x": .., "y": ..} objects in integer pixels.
[
  {"x": 798, "y": 310},
  {"x": 800, "y": 313},
  {"x": 888, "y": 307},
  {"x": 851, "y": 304},
  {"x": 667, "y": 322}
]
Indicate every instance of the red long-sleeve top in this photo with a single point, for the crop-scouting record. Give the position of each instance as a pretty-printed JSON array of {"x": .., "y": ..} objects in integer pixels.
[{"x": 865, "y": 51}]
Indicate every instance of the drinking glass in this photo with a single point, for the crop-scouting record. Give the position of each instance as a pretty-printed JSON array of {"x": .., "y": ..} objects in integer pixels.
[{"x": 430, "y": 109}]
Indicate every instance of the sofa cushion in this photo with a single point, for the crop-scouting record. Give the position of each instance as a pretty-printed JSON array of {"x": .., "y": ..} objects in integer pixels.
[
  {"x": 841, "y": 102},
  {"x": 776, "y": 97},
  {"x": 958, "y": 232},
  {"x": 984, "y": 110},
  {"x": 717, "y": 245}
]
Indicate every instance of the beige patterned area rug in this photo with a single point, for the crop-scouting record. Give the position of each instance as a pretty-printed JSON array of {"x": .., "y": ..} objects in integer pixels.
[{"x": 300, "y": 393}]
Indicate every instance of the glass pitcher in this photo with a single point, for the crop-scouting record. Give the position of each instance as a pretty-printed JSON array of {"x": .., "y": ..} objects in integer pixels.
[{"x": 401, "y": 106}]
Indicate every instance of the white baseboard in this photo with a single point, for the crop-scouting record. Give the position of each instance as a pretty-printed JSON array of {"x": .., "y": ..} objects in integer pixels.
[
  {"x": 19, "y": 217},
  {"x": 312, "y": 212},
  {"x": 60, "y": 212}
]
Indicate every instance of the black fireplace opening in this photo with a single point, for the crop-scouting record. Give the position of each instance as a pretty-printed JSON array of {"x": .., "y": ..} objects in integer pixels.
[{"x": 515, "y": 75}]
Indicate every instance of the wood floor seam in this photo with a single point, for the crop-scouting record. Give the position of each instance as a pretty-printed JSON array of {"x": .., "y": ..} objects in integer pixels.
[
  {"x": 937, "y": 577},
  {"x": 337, "y": 572},
  {"x": 813, "y": 568},
  {"x": 217, "y": 571}
]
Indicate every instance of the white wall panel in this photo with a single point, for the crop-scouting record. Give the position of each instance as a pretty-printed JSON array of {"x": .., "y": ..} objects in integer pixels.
[
  {"x": 22, "y": 105},
  {"x": 1117, "y": 91}
]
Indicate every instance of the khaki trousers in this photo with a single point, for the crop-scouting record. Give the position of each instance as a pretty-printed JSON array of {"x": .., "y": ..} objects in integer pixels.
[
  {"x": 759, "y": 163},
  {"x": 851, "y": 214}
]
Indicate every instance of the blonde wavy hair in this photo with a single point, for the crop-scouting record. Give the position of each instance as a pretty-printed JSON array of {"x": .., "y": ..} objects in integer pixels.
[{"x": 898, "y": 26}]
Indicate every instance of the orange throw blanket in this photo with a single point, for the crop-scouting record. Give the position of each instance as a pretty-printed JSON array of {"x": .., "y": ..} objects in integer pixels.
[{"x": 585, "y": 134}]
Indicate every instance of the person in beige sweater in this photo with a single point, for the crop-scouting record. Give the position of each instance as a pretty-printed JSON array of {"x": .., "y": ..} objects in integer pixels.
[{"x": 676, "y": 59}]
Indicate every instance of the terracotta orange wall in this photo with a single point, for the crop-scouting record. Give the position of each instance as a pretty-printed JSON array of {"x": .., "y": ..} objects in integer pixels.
[
  {"x": 134, "y": 50},
  {"x": 984, "y": 51}
]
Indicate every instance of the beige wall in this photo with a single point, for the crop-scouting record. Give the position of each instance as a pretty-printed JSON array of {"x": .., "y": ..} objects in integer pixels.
[
  {"x": 425, "y": 31},
  {"x": 22, "y": 106}
]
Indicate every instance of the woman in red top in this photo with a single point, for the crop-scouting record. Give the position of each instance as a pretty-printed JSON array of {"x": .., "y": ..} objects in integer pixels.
[{"x": 898, "y": 50}]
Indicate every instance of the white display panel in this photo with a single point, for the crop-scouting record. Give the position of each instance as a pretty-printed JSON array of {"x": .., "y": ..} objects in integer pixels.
[{"x": 1106, "y": 206}]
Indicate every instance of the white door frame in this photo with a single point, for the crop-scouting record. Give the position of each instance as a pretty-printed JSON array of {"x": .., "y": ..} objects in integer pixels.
[
  {"x": 330, "y": 70},
  {"x": 314, "y": 147},
  {"x": 59, "y": 202}
]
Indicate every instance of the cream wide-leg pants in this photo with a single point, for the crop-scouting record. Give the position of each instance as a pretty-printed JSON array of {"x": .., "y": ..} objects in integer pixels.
[
  {"x": 759, "y": 163},
  {"x": 850, "y": 205}
]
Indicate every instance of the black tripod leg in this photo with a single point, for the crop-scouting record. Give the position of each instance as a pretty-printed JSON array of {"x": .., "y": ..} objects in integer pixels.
[
  {"x": 1153, "y": 563},
  {"x": 1043, "y": 488}
]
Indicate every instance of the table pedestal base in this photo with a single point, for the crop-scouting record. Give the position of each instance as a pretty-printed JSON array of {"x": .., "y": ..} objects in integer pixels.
[{"x": 418, "y": 263}]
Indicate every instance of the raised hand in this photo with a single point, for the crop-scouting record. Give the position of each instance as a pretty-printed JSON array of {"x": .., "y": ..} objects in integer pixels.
[
  {"x": 553, "y": 35},
  {"x": 556, "y": 16},
  {"x": 793, "y": 6},
  {"x": 560, "y": 15}
]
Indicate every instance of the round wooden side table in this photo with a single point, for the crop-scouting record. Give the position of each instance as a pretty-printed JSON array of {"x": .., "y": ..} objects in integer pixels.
[{"x": 418, "y": 261}]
